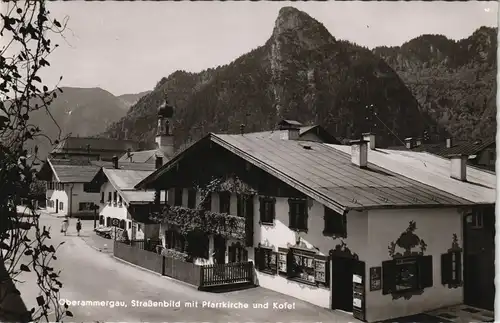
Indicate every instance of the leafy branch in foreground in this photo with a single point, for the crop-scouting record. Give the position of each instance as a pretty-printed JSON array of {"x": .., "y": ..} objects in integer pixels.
[{"x": 25, "y": 28}]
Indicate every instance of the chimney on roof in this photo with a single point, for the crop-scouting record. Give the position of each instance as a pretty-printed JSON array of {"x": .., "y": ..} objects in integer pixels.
[
  {"x": 370, "y": 138},
  {"x": 459, "y": 167},
  {"x": 158, "y": 162},
  {"x": 292, "y": 127},
  {"x": 449, "y": 143},
  {"x": 115, "y": 162},
  {"x": 359, "y": 153},
  {"x": 242, "y": 129},
  {"x": 409, "y": 143}
]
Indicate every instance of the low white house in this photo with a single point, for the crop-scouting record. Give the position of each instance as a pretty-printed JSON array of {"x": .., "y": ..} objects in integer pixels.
[
  {"x": 326, "y": 226},
  {"x": 121, "y": 204},
  {"x": 69, "y": 192}
]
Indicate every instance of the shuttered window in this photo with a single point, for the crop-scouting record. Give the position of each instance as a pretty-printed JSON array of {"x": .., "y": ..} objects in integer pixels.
[
  {"x": 298, "y": 216},
  {"x": 406, "y": 274},
  {"x": 178, "y": 197},
  {"x": 191, "y": 199},
  {"x": 225, "y": 202},
  {"x": 267, "y": 210},
  {"x": 335, "y": 223},
  {"x": 451, "y": 268},
  {"x": 266, "y": 260}
]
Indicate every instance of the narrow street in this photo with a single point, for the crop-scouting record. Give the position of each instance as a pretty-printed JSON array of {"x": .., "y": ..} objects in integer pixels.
[{"x": 90, "y": 275}]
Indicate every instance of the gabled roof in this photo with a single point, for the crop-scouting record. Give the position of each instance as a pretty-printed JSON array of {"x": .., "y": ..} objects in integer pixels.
[
  {"x": 96, "y": 144},
  {"x": 279, "y": 134},
  {"x": 124, "y": 181},
  {"x": 84, "y": 170},
  {"x": 72, "y": 171},
  {"x": 434, "y": 171},
  {"x": 469, "y": 148},
  {"x": 326, "y": 174},
  {"x": 144, "y": 156}
]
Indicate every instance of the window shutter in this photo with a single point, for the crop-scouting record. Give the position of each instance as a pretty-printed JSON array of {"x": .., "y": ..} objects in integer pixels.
[
  {"x": 446, "y": 268},
  {"x": 388, "y": 277},
  {"x": 458, "y": 267},
  {"x": 258, "y": 258},
  {"x": 261, "y": 210},
  {"x": 305, "y": 216},
  {"x": 344, "y": 225},
  {"x": 290, "y": 263},
  {"x": 291, "y": 217},
  {"x": 425, "y": 271},
  {"x": 273, "y": 209},
  {"x": 274, "y": 262}
]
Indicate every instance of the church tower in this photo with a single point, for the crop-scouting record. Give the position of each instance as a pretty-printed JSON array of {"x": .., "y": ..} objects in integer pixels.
[{"x": 164, "y": 136}]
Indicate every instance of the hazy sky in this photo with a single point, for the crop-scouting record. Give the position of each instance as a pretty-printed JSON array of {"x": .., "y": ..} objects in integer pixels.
[{"x": 127, "y": 47}]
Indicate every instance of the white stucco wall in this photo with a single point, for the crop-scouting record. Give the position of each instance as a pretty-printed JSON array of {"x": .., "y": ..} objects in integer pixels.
[
  {"x": 436, "y": 227},
  {"x": 75, "y": 190},
  {"x": 59, "y": 196},
  {"x": 118, "y": 212},
  {"x": 280, "y": 235},
  {"x": 79, "y": 196}
]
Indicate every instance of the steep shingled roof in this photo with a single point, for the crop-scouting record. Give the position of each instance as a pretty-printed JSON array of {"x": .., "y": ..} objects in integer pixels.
[
  {"x": 326, "y": 174},
  {"x": 434, "y": 171},
  {"x": 96, "y": 144}
]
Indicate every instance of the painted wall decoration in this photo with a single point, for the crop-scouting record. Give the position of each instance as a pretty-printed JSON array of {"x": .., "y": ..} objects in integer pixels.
[
  {"x": 448, "y": 259},
  {"x": 342, "y": 250},
  {"x": 409, "y": 244},
  {"x": 455, "y": 246}
]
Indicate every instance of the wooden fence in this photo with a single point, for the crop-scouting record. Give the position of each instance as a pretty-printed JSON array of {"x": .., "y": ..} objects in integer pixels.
[
  {"x": 226, "y": 274},
  {"x": 203, "y": 277}
]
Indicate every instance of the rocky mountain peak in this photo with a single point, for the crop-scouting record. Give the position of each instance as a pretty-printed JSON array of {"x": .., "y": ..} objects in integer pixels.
[{"x": 293, "y": 25}]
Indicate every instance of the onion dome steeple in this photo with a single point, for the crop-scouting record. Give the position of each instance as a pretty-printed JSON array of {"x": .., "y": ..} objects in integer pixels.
[{"x": 165, "y": 110}]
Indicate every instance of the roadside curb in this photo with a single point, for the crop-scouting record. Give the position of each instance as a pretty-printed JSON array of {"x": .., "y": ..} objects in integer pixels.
[
  {"x": 94, "y": 247},
  {"x": 157, "y": 274}
]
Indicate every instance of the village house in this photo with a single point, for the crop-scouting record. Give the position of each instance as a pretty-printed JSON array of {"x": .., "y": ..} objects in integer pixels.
[
  {"x": 321, "y": 224},
  {"x": 481, "y": 153},
  {"x": 92, "y": 148},
  {"x": 68, "y": 189},
  {"x": 123, "y": 206},
  {"x": 455, "y": 175}
]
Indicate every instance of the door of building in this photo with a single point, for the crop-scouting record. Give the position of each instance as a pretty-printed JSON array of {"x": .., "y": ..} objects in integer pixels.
[
  {"x": 479, "y": 259},
  {"x": 342, "y": 271}
]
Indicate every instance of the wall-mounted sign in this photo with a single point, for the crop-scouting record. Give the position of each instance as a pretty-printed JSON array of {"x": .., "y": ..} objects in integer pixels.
[{"x": 375, "y": 278}]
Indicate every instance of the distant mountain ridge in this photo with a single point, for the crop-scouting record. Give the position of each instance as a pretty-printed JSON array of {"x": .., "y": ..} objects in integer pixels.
[
  {"x": 302, "y": 72},
  {"x": 79, "y": 112},
  {"x": 131, "y": 99},
  {"x": 453, "y": 81}
]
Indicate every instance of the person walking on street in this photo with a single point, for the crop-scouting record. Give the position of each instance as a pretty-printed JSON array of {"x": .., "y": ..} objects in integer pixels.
[
  {"x": 65, "y": 225},
  {"x": 78, "y": 226}
]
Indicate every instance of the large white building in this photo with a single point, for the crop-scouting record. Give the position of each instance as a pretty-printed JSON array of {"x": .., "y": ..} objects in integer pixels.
[{"x": 327, "y": 225}]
